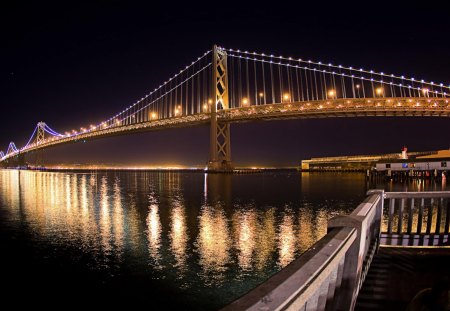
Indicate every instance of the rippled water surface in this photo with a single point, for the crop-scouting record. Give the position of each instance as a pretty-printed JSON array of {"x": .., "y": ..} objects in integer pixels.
[{"x": 183, "y": 240}]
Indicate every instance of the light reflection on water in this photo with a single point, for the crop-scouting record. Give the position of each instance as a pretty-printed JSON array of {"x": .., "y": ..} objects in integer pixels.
[{"x": 211, "y": 236}]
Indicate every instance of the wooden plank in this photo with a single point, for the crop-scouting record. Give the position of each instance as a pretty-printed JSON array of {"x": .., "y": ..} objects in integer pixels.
[
  {"x": 410, "y": 216},
  {"x": 391, "y": 215}
]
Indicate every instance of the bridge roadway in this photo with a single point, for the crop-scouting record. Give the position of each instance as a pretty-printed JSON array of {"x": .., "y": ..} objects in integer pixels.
[{"x": 359, "y": 107}]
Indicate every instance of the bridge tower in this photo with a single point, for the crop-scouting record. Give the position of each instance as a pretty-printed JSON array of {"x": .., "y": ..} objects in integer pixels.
[
  {"x": 40, "y": 136},
  {"x": 40, "y": 133},
  {"x": 220, "y": 148}
]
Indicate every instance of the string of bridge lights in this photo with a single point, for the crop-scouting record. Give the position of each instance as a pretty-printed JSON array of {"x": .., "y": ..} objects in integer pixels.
[
  {"x": 424, "y": 90},
  {"x": 413, "y": 80},
  {"x": 252, "y": 56},
  {"x": 157, "y": 89},
  {"x": 12, "y": 147},
  {"x": 167, "y": 92},
  {"x": 54, "y": 133},
  {"x": 31, "y": 137},
  {"x": 50, "y": 131}
]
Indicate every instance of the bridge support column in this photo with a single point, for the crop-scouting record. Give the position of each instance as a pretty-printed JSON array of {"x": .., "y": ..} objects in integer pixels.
[
  {"x": 40, "y": 138},
  {"x": 220, "y": 145}
]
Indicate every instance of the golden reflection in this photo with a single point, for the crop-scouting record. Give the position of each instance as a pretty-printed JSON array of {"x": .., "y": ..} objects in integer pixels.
[
  {"x": 286, "y": 240},
  {"x": 213, "y": 243},
  {"x": 312, "y": 225},
  {"x": 154, "y": 230},
  {"x": 84, "y": 199},
  {"x": 74, "y": 191},
  {"x": 105, "y": 223},
  {"x": 265, "y": 239},
  {"x": 10, "y": 189},
  {"x": 67, "y": 208},
  {"x": 244, "y": 224},
  {"x": 67, "y": 193},
  {"x": 179, "y": 235},
  {"x": 118, "y": 223}
]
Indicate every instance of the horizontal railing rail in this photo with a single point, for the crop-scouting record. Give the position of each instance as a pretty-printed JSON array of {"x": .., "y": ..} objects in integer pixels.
[{"x": 307, "y": 283}]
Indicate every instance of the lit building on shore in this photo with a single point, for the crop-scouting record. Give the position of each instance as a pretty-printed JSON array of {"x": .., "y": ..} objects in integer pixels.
[{"x": 404, "y": 160}]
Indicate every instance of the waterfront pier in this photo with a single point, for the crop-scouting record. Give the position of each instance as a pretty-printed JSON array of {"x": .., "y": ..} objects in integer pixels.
[{"x": 360, "y": 263}]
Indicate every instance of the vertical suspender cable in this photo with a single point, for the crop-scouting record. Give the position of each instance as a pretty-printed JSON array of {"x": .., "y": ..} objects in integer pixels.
[
  {"x": 280, "y": 77},
  {"x": 363, "y": 86},
  {"x": 315, "y": 83},
  {"x": 256, "y": 81},
  {"x": 353, "y": 85},
  {"x": 247, "y": 79},
  {"x": 264, "y": 82},
  {"x": 232, "y": 93},
  {"x": 271, "y": 79},
  {"x": 392, "y": 87},
  {"x": 289, "y": 72},
  {"x": 194, "y": 105},
  {"x": 238, "y": 104},
  {"x": 299, "y": 98},
  {"x": 307, "y": 84}
]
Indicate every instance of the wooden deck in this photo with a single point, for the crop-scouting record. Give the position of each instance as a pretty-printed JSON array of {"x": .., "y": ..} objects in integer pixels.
[{"x": 397, "y": 274}]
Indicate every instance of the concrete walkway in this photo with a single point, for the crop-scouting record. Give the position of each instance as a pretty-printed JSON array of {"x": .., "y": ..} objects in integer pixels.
[{"x": 397, "y": 274}]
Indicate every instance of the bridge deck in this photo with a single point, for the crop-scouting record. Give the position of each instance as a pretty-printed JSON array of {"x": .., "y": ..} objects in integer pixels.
[{"x": 397, "y": 274}]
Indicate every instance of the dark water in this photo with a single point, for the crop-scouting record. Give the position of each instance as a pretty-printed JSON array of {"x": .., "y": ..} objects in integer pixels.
[{"x": 187, "y": 241}]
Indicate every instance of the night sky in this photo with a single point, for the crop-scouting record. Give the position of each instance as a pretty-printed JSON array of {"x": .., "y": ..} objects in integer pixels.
[{"x": 72, "y": 64}]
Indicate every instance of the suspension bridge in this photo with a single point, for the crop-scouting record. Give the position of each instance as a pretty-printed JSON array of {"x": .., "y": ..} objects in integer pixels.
[{"x": 225, "y": 86}]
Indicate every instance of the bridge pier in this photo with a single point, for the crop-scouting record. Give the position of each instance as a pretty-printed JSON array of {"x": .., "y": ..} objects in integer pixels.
[
  {"x": 220, "y": 153},
  {"x": 220, "y": 143}
]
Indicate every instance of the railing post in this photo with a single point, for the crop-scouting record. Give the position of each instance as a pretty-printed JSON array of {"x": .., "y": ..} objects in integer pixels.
[
  {"x": 391, "y": 215},
  {"x": 420, "y": 219},
  {"x": 410, "y": 216},
  {"x": 379, "y": 213},
  {"x": 430, "y": 216},
  {"x": 447, "y": 216},
  {"x": 400, "y": 216}
]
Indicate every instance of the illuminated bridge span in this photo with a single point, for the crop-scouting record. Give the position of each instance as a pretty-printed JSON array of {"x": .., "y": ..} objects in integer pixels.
[{"x": 225, "y": 86}]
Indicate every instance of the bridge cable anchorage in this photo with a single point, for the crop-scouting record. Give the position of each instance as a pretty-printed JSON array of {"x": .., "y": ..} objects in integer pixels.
[{"x": 225, "y": 85}]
